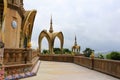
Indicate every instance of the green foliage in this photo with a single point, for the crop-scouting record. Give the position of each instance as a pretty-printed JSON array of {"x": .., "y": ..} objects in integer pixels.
[
  {"x": 87, "y": 52},
  {"x": 45, "y": 51},
  {"x": 101, "y": 56},
  {"x": 57, "y": 51},
  {"x": 108, "y": 56},
  {"x": 65, "y": 50},
  {"x": 113, "y": 55}
]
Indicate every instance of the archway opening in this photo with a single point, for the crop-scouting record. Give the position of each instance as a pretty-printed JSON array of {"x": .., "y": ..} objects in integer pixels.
[
  {"x": 44, "y": 46},
  {"x": 25, "y": 42},
  {"x": 57, "y": 46}
]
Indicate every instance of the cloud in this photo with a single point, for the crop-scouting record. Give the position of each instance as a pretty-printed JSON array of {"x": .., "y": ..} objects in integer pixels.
[{"x": 95, "y": 22}]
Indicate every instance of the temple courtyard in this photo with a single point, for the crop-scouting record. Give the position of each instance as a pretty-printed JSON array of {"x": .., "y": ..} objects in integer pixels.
[{"x": 50, "y": 70}]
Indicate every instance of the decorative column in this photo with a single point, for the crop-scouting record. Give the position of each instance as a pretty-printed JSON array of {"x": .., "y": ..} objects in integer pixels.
[{"x": 6, "y": 58}]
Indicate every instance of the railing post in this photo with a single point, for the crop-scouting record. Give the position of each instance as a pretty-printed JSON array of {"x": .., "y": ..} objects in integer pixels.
[
  {"x": 92, "y": 63},
  {"x": 25, "y": 56},
  {"x": 92, "y": 59}
]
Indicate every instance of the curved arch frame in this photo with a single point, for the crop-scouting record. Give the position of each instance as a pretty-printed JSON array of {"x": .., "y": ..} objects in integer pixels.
[
  {"x": 5, "y": 8},
  {"x": 41, "y": 36},
  {"x": 3, "y": 17},
  {"x": 61, "y": 38},
  {"x": 29, "y": 21},
  {"x": 28, "y": 26},
  {"x": 51, "y": 38}
]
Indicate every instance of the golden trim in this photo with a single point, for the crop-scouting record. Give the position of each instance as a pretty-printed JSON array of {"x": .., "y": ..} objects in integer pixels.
[
  {"x": 51, "y": 38},
  {"x": 5, "y": 7},
  {"x": 30, "y": 18},
  {"x": 3, "y": 21}
]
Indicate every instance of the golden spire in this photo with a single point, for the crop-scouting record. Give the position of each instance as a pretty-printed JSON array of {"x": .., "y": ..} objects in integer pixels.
[
  {"x": 75, "y": 41},
  {"x": 51, "y": 28}
]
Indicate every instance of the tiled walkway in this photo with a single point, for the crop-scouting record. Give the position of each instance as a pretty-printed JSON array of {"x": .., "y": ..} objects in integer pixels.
[{"x": 67, "y": 71}]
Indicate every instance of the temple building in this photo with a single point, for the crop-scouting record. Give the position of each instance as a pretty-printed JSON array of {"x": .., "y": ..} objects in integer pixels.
[
  {"x": 16, "y": 25},
  {"x": 50, "y": 36},
  {"x": 76, "y": 47}
]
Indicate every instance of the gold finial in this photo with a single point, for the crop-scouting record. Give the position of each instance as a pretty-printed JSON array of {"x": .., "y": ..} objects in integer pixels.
[
  {"x": 29, "y": 45},
  {"x": 92, "y": 55},
  {"x": 51, "y": 28},
  {"x": 75, "y": 41}
]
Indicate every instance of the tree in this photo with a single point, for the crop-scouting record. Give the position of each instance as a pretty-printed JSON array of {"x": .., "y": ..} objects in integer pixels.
[
  {"x": 87, "y": 52},
  {"x": 108, "y": 56},
  {"x": 45, "y": 51},
  {"x": 101, "y": 56},
  {"x": 65, "y": 50},
  {"x": 113, "y": 55},
  {"x": 57, "y": 50}
]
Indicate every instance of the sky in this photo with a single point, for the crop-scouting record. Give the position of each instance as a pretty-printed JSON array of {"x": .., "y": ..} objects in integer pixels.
[{"x": 96, "y": 23}]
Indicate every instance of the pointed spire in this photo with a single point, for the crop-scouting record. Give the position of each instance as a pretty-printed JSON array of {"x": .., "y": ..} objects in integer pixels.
[
  {"x": 51, "y": 28},
  {"x": 75, "y": 41}
]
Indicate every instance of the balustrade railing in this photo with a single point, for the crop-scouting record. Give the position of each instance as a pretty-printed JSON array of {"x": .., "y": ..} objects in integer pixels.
[
  {"x": 111, "y": 67},
  {"x": 17, "y": 56}
]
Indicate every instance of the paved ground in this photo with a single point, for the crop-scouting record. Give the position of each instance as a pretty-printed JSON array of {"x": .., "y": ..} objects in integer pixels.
[{"x": 67, "y": 71}]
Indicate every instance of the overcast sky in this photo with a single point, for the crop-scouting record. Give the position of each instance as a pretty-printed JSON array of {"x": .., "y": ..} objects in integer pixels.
[{"x": 96, "y": 23}]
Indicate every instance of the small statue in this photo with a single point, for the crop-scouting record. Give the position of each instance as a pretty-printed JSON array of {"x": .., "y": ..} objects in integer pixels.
[{"x": 92, "y": 55}]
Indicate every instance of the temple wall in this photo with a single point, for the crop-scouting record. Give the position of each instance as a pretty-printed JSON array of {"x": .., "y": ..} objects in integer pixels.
[{"x": 12, "y": 35}]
